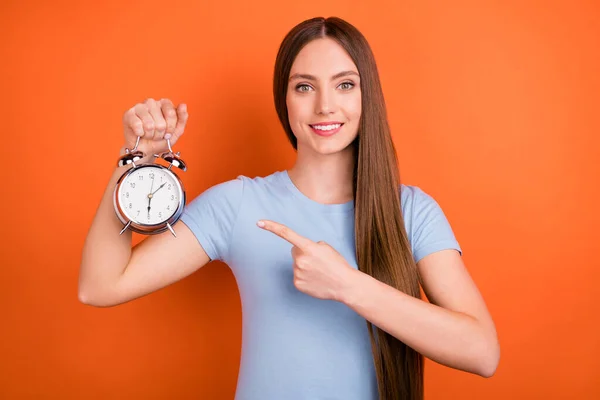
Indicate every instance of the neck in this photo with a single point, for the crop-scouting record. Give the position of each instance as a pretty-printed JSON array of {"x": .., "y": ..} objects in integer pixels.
[{"x": 326, "y": 179}]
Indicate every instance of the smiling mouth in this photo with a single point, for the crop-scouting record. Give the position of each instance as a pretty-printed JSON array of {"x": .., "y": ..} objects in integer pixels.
[{"x": 326, "y": 129}]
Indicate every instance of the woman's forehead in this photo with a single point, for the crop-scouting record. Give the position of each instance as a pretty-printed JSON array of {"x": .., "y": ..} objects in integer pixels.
[{"x": 322, "y": 58}]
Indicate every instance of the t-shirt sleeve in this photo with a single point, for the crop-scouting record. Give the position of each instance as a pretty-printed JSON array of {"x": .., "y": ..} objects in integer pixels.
[
  {"x": 211, "y": 217},
  {"x": 431, "y": 230}
]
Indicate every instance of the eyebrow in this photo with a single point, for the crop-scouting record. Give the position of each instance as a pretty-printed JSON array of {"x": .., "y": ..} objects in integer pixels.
[{"x": 312, "y": 78}]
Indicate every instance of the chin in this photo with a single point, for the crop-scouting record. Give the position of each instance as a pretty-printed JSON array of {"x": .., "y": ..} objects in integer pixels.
[{"x": 330, "y": 148}]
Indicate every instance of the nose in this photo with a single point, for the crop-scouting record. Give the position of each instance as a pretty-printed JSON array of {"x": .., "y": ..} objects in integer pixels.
[{"x": 325, "y": 102}]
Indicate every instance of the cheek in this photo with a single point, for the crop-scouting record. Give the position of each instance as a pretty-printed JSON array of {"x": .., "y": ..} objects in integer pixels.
[
  {"x": 358, "y": 104},
  {"x": 357, "y": 110},
  {"x": 293, "y": 109},
  {"x": 353, "y": 108},
  {"x": 299, "y": 109}
]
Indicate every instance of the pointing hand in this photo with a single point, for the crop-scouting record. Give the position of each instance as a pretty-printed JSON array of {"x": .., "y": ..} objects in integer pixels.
[{"x": 319, "y": 270}]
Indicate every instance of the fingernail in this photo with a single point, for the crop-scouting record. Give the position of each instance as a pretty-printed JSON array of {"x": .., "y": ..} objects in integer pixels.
[{"x": 261, "y": 224}]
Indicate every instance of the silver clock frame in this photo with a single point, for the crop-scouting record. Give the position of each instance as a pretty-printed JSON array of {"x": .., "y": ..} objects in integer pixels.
[
  {"x": 149, "y": 229},
  {"x": 130, "y": 157}
]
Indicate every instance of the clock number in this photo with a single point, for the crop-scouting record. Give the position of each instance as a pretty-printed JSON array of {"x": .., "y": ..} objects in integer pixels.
[
  {"x": 141, "y": 177},
  {"x": 172, "y": 197},
  {"x": 132, "y": 184},
  {"x": 127, "y": 194},
  {"x": 160, "y": 215},
  {"x": 151, "y": 175},
  {"x": 130, "y": 205},
  {"x": 169, "y": 187}
]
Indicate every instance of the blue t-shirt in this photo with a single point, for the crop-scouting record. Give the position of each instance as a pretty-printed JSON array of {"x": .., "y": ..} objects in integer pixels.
[{"x": 295, "y": 346}]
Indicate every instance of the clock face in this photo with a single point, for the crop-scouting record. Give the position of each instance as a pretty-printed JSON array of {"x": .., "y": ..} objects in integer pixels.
[{"x": 149, "y": 195}]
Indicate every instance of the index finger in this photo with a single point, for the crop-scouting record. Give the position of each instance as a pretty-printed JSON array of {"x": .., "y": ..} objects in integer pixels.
[{"x": 285, "y": 233}]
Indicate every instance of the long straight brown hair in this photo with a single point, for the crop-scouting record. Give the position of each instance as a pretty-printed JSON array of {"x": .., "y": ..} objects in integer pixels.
[{"x": 382, "y": 247}]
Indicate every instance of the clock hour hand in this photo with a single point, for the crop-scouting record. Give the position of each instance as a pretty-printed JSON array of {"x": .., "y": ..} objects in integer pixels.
[{"x": 150, "y": 197}]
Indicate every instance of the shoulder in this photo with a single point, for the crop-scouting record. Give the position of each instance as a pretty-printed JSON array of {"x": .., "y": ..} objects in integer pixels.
[
  {"x": 414, "y": 198},
  {"x": 255, "y": 188},
  {"x": 212, "y": 215},
  {"x": 418, "y": 205},
  {"x": 259, "y": 181},
  {"x": 228, "y": 188},
  {"x": 427, "y": 226},
  {"x": 233, "y": 190}
]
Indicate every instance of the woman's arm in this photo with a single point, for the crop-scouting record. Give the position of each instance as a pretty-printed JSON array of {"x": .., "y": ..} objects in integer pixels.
[
  {"x": 112, "y": 273},
  {"x": 455, "y": 329}
]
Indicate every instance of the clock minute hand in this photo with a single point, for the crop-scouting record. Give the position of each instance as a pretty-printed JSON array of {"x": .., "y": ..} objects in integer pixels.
[{"x": 160, "y": 187}]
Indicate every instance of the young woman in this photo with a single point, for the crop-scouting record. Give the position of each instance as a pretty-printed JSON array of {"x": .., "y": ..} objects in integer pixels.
[{"x": 329, "y": 256}]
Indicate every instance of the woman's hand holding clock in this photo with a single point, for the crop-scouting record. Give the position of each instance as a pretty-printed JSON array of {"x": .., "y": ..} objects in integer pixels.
[
  {"x": 151, "y": 129},
  {"x": 153, "y": 121}
]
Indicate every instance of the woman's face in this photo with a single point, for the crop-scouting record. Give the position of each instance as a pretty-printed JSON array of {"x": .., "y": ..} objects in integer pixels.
[{"x": 323, "y": 98}]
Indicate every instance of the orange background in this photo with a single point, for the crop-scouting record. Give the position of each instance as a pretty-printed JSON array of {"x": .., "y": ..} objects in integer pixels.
[{"x": 495, "y": 112}]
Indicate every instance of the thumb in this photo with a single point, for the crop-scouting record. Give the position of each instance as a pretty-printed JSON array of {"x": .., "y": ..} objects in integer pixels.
[{"x": 182, "y": 118}]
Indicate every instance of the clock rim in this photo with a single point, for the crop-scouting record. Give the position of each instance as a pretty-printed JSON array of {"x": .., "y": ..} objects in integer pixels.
[{"x": 149, "y": 228}]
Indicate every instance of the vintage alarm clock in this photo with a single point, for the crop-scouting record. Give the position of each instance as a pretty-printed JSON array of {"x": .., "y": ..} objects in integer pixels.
[{"x": 149, "y": 198}]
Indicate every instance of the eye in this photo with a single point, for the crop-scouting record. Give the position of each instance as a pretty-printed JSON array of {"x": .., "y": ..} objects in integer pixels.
[
  {"x": 303, "y": 87},
  {"x": 346, "y": 85}
]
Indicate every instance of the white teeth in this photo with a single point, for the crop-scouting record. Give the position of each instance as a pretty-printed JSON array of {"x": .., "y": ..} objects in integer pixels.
[{"x": 327, "y": 127}]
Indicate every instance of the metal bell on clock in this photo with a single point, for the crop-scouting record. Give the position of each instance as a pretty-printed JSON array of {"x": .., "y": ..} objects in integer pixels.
[
  {"x": 173, "y": 158},
  {"x": 131, "y": 156}
]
